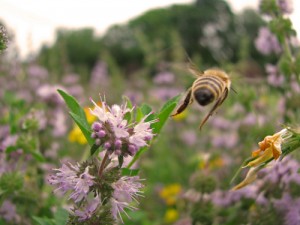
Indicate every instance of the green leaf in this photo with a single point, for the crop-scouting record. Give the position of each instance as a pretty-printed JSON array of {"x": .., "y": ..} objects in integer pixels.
[
  {"x": 139, "y": 114},
  {"x": 146, "y": 109},
  {"x": 297, "y": 65},
  {"x": 38, "y": 156},
  {"x": 164, "y": 114},
  {"x": 129, "y": 172},
  {"x": 127, "y": 100},
  {"x": 11, "y": 181},
  {"x": 128, "y": 116},
  {"x": 43, "y": 221},
  {"x": 84, "y": 129},
  {"x": 73, "y": 105},
  {"x": 169, "y": 102},
  {"x": 94, "y": 148},
  {"x": 136, "y": 156},
  {"x": 78, "y": 115},
  {"x": 285, "y": 65},
  {"x": 61, "y": 216},
  {"x": 121, "y": 160},
  {"x": 11, "y": 149}
]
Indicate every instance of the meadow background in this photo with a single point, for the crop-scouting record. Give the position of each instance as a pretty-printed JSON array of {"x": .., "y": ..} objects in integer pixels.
[{"x": 187, "y": 172}]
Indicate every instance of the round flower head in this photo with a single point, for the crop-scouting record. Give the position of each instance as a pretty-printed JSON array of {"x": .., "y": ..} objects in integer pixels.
[
  {"x": 68, "y": 178},
  {"x": 113, "y": 132}
]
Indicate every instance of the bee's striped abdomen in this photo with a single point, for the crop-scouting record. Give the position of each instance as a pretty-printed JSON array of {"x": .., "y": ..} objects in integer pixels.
[{"x": 207, "y": 88}]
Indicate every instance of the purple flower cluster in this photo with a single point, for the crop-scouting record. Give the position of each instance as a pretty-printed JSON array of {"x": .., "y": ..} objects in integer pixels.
[
  {"x": 285, "y": 6},
  {"x": 283, "y": 173},
  {"x": 274, "y": 78},
  {"x": 126, "y": 190},
  {"x": 113, "y": 132},
  {"x": 69, "y": 178},
  {"x": 89, "y": 209},
  {"x": 266, "y": 42}
]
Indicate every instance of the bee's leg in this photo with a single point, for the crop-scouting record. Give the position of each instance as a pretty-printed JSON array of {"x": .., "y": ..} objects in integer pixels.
[
  {"x": 187, "y": 100},
  {"x": 214, "y": 108}
]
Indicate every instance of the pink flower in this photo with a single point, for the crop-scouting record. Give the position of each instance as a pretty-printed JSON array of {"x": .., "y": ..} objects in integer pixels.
[
  {"x": 266, "y": 42},
  {"x": 68, "y": 179},
  {"x": 126, "y": 190},
  {"x": 89, "y": 210}
]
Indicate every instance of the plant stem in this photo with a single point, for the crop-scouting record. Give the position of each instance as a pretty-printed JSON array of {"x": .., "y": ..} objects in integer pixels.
[{"x": 103, "y": 164}]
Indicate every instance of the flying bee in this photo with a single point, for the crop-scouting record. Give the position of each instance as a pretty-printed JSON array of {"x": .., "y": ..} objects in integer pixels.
[{"x": 210, "y": 85}]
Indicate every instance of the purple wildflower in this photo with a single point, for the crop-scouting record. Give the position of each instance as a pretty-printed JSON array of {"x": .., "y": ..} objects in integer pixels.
[
  {"x": 48, "y": 93},
  {"x": 37, "y": 72},
  {"x": 115, "y": 134},
  {"x": 89, "y": 209},
  {"x": 141, "y": 133},
  {"x": 64, "y": 178},
  {"x": 292, "y": 216},
  {"x": 8, "y": 211},
  {"x": 82, "y": 186},
  {"x": 68, "y": 179},
  {"x": 274, "y": 78},
  {"x": 266, "y": 42},
  {"x": 99, "y": 75},
  {"x": 286, "y": 6},
  {"x": 165, "y": 77},
  {"x": 126, "y": 190}
]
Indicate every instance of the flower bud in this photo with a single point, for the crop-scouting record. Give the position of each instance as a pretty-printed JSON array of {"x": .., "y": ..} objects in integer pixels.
[
  {"x": 96, "y": 126},
  {"x": 98, "y": 142},
  {"x": 107, "y": 145},
  {"x": 118, "y": 152},
  {"x": 94, "y": 135},
  {"x": 118, "y": 144},
  {"x": 132, "y": 149},
  {"x": 101, "y": 133}
]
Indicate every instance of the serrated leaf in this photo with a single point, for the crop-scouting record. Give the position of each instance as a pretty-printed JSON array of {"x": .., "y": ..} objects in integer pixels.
[
  {"x": 61, "y": 216},
  {"x": 129, "y": 172},
  {"x": 85, "y": 129},
  {"x": 43, "y": 221}
]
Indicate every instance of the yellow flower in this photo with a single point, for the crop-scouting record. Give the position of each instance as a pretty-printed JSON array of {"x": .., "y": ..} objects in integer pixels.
[
  {"x": 269, "y": 148},
  {"x": 171, "y": 215},
  {"x": 77, "y": 136},
  {"x": 250, "y": 177},
  {"x": 170, "y": 193},
  {"x": 180, "y": 116},
  {"x": 90, "y": 118}
]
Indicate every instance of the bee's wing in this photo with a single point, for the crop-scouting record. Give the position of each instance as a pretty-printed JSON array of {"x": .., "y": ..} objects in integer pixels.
[
  {"x": 214, "y": 108},
  {"x": 193, "y": 69}
]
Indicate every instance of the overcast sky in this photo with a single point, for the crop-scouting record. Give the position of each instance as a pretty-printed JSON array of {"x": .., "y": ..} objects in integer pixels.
[{"x": 34, "y": 21}]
